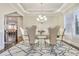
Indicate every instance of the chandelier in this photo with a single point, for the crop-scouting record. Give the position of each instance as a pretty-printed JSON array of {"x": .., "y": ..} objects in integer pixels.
[{"x": 41, "y": 18}]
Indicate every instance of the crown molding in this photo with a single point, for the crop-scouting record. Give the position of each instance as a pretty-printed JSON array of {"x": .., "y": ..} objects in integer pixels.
[
  {"x": 19, "y": 5},
  {"x": 62, "y": 9},
  {"x": 27, "y": 12}
]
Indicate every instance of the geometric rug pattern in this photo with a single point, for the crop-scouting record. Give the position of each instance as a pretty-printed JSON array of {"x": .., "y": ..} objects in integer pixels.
[{"x": 21, "y": 49}]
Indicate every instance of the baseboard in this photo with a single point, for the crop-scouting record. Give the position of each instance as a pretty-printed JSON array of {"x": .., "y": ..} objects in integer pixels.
[{"x": 71, "y": 44}]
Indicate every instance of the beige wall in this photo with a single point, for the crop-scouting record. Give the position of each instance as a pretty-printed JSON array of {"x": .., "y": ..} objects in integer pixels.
[{"x": 52, "y": 21}]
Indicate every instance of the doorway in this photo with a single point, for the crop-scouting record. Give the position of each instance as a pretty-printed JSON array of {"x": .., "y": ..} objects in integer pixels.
[{"x": 12, "y": 23}]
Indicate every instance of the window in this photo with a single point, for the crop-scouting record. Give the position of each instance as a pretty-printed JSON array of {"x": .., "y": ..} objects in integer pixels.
[
  {"x": 69, "y": 23},
  {"x": 77, "y": 24}
]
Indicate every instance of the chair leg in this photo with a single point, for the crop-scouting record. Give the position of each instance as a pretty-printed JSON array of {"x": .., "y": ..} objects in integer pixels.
[
  {"x": 32, "y": 46},
  {"x": 52, "y": 50}
]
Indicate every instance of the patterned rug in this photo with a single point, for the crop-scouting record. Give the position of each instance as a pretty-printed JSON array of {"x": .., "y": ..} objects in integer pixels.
[{"x": 22, "y": 49}]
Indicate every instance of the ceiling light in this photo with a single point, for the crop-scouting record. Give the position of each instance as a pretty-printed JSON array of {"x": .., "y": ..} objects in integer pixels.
[
  {"x": 41, "y": 18},
  {"x": 38, "y": 19}
]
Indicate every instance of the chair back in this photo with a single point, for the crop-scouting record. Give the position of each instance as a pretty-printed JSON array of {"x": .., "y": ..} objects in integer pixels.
[
  {"x": 22, "y": 33},
  {"x": 32, "y": 34},
  {"x": 53, "y": 34}
]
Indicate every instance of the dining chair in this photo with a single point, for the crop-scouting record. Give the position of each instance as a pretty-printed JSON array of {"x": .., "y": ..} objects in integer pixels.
[
  {"x": 23, "y": 35},
  {"x": 60, "y": 37},
  {"x": 61, "y": 33},
  {"x": 32, "y": 34},
  {"x": 53, "y": 37}
]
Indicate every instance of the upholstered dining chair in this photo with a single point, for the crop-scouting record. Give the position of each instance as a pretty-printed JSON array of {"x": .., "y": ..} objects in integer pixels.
[
  {"x": 61, "y": 33},
  {"x": 32, "y": 34},
  {"x": 53, "y": 36},
  {"x": 23, "y": 35},
  {"x": 60, "y": 38}
]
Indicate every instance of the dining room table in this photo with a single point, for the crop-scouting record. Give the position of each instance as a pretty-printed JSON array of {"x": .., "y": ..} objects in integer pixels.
[{"x": 41, "y": 38}]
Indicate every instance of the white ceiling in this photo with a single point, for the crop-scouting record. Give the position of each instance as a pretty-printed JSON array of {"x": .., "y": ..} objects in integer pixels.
[{"x": 37, "y": 8}]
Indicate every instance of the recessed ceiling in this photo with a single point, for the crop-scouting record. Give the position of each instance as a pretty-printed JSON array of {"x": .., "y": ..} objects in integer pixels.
[{"x": 36, "y": 8}]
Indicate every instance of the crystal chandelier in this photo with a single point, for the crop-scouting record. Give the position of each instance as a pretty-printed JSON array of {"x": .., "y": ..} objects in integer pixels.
[{"x": 41, "y": 18}]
